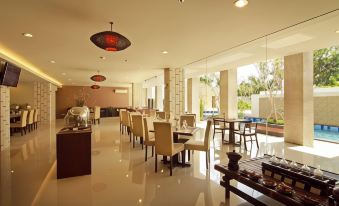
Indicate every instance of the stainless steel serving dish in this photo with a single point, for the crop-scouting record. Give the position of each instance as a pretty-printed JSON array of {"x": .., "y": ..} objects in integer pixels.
[{"x": 77, "y": 117}]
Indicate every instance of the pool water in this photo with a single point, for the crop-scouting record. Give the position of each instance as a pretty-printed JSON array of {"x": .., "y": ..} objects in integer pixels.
[{"x": 326, "y": 133}]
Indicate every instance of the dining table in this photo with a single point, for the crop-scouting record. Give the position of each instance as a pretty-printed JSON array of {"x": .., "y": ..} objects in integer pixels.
[
  {"x": 231, "y": 122},
  {"x": 189, "y": 131},
  {"x": 14, "y": 117}
]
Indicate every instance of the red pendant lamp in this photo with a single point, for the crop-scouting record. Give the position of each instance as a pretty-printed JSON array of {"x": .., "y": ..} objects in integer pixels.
[
  {"x": 110, "y": 41},
  {"x": 95, "y": 86},
  {"x": 98, "y": 78}
]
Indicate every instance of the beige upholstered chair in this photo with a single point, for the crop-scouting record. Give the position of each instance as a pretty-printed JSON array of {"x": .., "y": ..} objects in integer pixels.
[
  {"x": 161, "y": 115},
  {"x": 152, "y": 113},
  {"x": 149, "y": 136},
  {"x": 130, "y": 124},
  {"x": 137, "y": 129},
  {"x": 96, "y": 115},
  {"x": 35, "y": 119},
  {"x": 190, "y": 120},
  {"x": 201, "y": 146},
  {"x": 124, "y": 121},
  {"x": 30, "y": 119},
  {"x": 22, "y": 123},
  {"x": 164, "y": 143},
  {"x": 121, "y": 118}
]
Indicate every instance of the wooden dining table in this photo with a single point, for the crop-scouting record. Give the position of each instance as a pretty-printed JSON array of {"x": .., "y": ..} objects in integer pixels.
[
  {"x": 231, "y": 122},
  {"x": 190, "y": 131}
]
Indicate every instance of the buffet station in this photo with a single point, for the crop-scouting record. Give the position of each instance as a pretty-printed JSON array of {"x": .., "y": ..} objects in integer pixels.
[
  {"x": 285, "y": 181},
  {"x": 74, "y": 144}
]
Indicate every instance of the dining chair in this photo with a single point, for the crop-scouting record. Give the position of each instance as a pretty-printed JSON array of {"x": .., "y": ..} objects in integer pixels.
[
  {"x": 190, "y": 119},
  {"x": 201, "y": 146},
  {"x": 35, "y": 119},
  {"x": 124, "y": 121},
  {"x": 22, "y": 123},
  {"x": 137, "y": 129},
  {"x": 161, "y": 115},
  {"x": 248, "y": 130},
  {"x": 149, "y": 136},
  {"x": 130, "y": 124},
  {"x": 219, "y": 126},
  {"x": 120, "y": 118},
  {"x": 29, "y": 120},
  {"x": 153, "y": 113},
  {"x": 95, "y": 116},
  {"x": 164, "y": 144}
]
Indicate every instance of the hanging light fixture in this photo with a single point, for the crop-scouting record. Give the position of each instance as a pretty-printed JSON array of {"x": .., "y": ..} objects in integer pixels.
[
  {"x": 95, "y": 86},
  {"x": 110, "y": 41},
  {"x": 98, "y": 78}
]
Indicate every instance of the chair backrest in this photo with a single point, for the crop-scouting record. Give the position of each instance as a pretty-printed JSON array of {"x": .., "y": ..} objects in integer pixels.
[
  {"x": 120, "y": 114},
  {"x": 23, "y": 119},
  {"x": 138, "y": 128},
  {"x": 36, "y": 115},
  {"x": 96, "y": 112},
  {"x": 207, "y": 135},
  {"x": 163, "y": 138},
  {"x": 30, "y": 116},
  {"x": 152, "y": 113},
  {"x": 147, "y": 127},
  {"x": 162, "y": 115},
  {"x": 124, "y": 117},
  {"x": 253, "y": 127},
  {"x": 219, "y": 121},
  {"x": 130, "y": 123},
  {"x": 190, "y": 120}
]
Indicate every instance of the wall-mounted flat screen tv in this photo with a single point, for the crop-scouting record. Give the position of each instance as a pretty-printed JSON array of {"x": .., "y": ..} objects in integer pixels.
[{"x": 9, "y": 76}]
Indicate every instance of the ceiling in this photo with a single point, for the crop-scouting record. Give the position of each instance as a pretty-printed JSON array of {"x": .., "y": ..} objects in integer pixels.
[{"x": 189, "y": 32}]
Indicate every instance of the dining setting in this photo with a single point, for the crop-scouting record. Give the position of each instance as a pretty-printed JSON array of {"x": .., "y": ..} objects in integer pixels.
[{"x": 23, "y": 119}]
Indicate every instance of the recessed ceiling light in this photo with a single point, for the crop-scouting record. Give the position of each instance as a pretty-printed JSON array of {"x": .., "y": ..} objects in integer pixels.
[
  {"x": 337, "y": 31},
  {"x": 164, "y": 52},
  {"x": 52, "y": 61},
  {"x": 102, "y": 57},
  {"x": 241, "y": 3},
  {"x": 27, "y": 35},
  {"x": 69, "y": 79},
  {"x": 181, "y": 1},
  {"x": 63, "y": 73}
]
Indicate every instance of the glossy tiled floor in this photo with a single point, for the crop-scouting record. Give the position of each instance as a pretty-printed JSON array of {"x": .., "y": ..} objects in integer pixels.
[{"x": 121, "y": 177}]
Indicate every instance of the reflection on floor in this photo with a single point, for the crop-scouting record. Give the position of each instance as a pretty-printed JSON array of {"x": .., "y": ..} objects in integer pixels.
[{"x": 121, "y": 177}]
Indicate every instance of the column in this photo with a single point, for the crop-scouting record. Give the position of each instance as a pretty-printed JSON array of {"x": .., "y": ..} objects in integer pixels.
[
  {"x": 159, "y": 96},
  {"x": 228, "y": 93},
  {"x": 4, "y": 117},
  {"x": 193, "y": 99},
  {"x": 174, "y": 101},
  {"x": 298, "y": 99},
  {"x": 44, "y": 101}
]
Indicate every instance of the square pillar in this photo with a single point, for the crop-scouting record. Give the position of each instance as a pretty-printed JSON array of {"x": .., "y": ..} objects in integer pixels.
[
  {"x": 228, "y": 93},
  {"x": 159, "y": 97},
  {"x": 4, "y": 117},
  {"x": 298, "y": 99},
  {"x": 193, "y": 99},
  {"x": 174, "y": 101},
  {"x": 44, "y": 101}
]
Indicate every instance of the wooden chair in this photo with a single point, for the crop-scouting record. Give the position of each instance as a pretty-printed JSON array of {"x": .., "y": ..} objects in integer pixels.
[
  {"x": 138, "y": 129},
  {"x": 201, "y": 146},
  {"x": 190, "y": 120},
  {"x": 153, "y": 113},
  {"x": 248, "y": 130},
  {"x": 21, "y": 124},
  {"x": 219, "y": 126},
  {"x": 161, "y": 115},
  {"x": 95, "y": 116},
  {"x": 149, "y": 136},
  {"x": 35, "y": 119},
  {"x": 164, "y": 144},
  {"x": 30, "y": 119}
]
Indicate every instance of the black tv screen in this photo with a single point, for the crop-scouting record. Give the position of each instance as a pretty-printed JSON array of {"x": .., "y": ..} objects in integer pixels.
[{"x": 10, "y": 75}]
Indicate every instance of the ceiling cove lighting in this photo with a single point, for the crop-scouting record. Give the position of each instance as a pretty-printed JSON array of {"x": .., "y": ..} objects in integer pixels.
[
  {"x": 10, "y": 56},
  {"x": 27, "y": 35},
  {"x": 110, "y": 41},
  {"x": 240, "y": 3},
  {"x": 98, "y": 78}
]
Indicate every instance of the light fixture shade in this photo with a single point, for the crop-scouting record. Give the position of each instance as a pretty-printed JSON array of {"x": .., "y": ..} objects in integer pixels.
[
  {"x": 95, "y": 86},
  {"x": 98, "y": 78}
]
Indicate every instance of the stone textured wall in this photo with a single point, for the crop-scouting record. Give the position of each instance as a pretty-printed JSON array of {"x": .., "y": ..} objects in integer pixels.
[
  {"x": 174, "y": 92},
  {"x": 326, "y": 109},
  {"x": 44, "y": 101},
  {"x": 4, "y": 117}
]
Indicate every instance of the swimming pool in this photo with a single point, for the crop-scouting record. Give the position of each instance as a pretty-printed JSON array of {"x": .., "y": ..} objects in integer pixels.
[{"x": 321, "y": 132}]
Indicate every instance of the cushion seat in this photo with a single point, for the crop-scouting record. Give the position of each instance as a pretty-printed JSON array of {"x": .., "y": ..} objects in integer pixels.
[
  {"x": 177, "y": 147},
  {"x": 195, "y": 145}
]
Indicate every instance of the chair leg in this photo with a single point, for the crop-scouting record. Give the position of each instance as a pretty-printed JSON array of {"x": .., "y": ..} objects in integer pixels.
[
  {"x": 22, "y": 131},
  {"x": 222, "y": 136},
  {"x": 189, "y": 155},
  {"x": 245, "y": 142},
  {"x": 183, "y": 159},
  {"x": 25, "y": 129},
  {"x": 171, "y": 165},
  {"x": 152, "y": 151},
  {"x": 256, "y": 140},
  {"x": 133, "y": 141},
  {"x": 146, "y": 153},
  {"x": 206, "y": 160},
  {"x": 213, "y": 133},
  {"x": 156, "y": 162},
  {"x": 142, "y": 142}
]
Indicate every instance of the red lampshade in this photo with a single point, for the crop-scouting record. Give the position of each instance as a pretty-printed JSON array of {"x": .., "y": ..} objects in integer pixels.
[
  {"x": 95, "y": 86},
  {"x": 98, "y": 78},
  {"x": 110, "y": 41}
]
